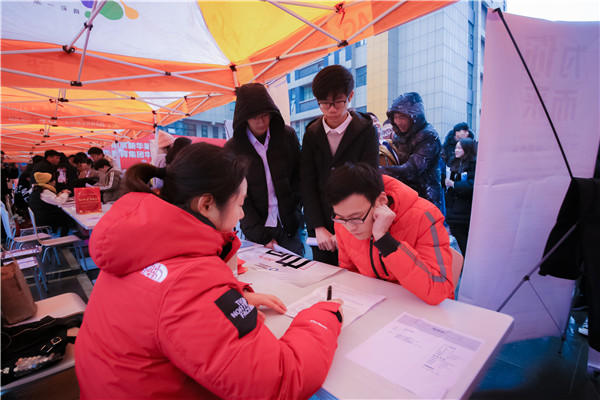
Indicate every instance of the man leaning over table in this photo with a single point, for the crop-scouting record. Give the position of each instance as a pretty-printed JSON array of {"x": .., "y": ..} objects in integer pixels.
[{"x": 386, "y": 231}]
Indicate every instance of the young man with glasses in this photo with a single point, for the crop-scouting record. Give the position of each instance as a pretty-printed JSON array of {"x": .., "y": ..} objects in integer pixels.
[
  {"x": 386, "y": 231},
  {"x": 331, "y": 140}
]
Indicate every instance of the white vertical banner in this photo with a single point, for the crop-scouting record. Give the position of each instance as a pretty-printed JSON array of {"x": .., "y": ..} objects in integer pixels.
[
  {"x": 521, "y": 177},
  {"x": 278, "y": 90}
]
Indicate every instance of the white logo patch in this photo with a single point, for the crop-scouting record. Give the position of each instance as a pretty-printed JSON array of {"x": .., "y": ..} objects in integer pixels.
[
  {"x": 243, "y": 308},
  {"x": 157, "y": 272}
]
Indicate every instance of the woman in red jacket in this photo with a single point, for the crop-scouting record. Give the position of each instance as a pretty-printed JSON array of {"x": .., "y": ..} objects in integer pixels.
[{"x": 167, "y": 318}]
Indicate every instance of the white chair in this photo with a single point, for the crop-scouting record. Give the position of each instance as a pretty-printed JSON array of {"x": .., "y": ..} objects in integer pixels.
[
  {"x": 10, "y": 228},
  {"x": 59, "y": 242}
]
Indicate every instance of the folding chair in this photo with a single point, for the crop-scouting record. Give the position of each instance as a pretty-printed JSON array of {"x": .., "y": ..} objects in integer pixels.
[
  {"x": 59, "y": 242},
  {"x": 10, "y": 228}
]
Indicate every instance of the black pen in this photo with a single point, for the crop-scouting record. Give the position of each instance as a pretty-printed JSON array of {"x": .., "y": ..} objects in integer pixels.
[{"x": 329, "y": 292}]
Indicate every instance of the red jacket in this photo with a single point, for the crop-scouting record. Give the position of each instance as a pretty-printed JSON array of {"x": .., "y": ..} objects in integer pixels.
[
  {"x": 166, "y": 318},
  {"x": 415, "y": 252}
]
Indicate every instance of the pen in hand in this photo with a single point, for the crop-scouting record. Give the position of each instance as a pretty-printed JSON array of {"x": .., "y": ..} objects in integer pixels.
[{"x": 329, "y": 290}]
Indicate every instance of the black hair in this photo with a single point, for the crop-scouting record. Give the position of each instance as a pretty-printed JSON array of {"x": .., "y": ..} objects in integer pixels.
[
  {"x": 86, "y": 161},
  {"x": 332, "y": 80},
  {"x": 470, "y": 148},
  {"x": 36, "y": 159},
  {"x": 360, "y": 178},
  {"x": 198, "y": 169},
  {"x": 177, "y": 146},
  {"x": 51, "y": 153},
  {"x": 461, "y": 126},
  {"x": 103, "y": 162},
  {"x": 95, "y": 150}
]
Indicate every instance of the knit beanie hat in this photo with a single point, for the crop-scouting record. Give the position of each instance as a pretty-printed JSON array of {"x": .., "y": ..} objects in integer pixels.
[
  {"x": 42, "y": 177},
  {"x": 163, "y": 139}
]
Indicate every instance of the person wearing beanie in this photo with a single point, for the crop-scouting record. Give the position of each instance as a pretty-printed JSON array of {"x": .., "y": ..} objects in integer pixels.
[
  {"x": 164, "y": 142},
  {"x": 44, "y": 201},
  {"x": 272, "y": 209},
  {"x": 419, "y": 148}
]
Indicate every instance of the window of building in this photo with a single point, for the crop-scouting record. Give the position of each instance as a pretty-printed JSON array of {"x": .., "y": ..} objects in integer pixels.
[
  {"x": 204, "y": 130},
  {"x": 215, "y": 132},
  {"x": 471, "y": 33},
  {"x": 361, "y": 43},
  {"x": 361, "y": 76},
  {"x": 470, "y": 78},
  {"x": 232, "y": 106},
  {"x": 308, "y": 105},
  {"x": 311, "y": 69},
  {"x": 348, "y": 53},
  {"x": 362, "y": 109},
  {"x": 306, "y": 93}
]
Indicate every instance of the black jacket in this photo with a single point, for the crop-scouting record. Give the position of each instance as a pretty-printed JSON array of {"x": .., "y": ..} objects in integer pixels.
[
  {"x": 459, "y": 199},
  {"x": 419, "y": 150},
  {"x": 359, "y": 143},
  {"x": 283, "y": 156},
  {"x": 449, "y": 146},
  {"x": 43, "y": 166}
]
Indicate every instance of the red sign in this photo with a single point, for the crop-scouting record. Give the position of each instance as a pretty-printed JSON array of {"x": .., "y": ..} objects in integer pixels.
[{"x": 88, "y": 200}]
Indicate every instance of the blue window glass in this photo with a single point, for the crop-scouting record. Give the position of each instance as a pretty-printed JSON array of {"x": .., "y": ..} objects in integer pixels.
[{"x": 361, "y": 76}]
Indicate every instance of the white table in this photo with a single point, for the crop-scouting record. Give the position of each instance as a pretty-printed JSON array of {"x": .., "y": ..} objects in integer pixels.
[
  {"x": 87, "y": 221},
  {"x": 347, "y": 379},
  {"x": 58, "y": 306}
]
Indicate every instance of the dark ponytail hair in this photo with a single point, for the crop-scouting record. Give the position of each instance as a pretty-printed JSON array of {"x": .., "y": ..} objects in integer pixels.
[{"x": 198, "y": 169}]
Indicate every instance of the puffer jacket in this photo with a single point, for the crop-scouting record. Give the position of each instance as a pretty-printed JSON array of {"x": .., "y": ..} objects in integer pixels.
[
  {"x": 167, "y": 319},
  {"x": 110, "y": 185},
  {"x": 415, "y": 252},
  {"x": 418, "y": 150}
]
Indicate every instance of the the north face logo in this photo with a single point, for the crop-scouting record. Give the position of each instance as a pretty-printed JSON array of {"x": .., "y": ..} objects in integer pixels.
[
  {"x": 243, "y": 308},
  {"x": 157, "y": 272}
]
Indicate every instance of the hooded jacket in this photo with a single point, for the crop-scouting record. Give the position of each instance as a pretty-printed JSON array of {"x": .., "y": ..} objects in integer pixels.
[
  {"x": 415, "y": 252},
  {"x": 283, "y": 155},
  {"x": 418, "y": 150},
  {"x": 167, "y": 319},
  {"x": 359, "y": 143}
]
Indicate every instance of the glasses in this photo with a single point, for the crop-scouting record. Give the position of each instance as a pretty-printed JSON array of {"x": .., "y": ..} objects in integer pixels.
[
  {"x": 324, "y": 105},
  {"x": 353, "y": 221}
]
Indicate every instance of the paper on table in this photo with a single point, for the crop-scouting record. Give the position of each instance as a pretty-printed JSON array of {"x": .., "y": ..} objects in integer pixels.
[
  {"x": 355, "y": 303},
  {"x": 286, "y": 266},
  {"x": 412, "y": 352}
]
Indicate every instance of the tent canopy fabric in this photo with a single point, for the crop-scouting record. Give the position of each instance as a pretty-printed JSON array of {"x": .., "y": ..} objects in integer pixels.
[
  {"x": 205, "y": 46},
  {"x": 134, "y": 65}
]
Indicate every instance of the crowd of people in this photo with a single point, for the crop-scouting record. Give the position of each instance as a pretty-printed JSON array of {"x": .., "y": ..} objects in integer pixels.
[{"x": 172, "y": 289}]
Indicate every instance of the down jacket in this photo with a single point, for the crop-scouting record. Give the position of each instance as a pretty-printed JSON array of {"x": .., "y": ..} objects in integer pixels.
[
  {"x": 419, "y": 150},
  {"x": 167, "y": 319},
  {"x": 415, "y": 252}
]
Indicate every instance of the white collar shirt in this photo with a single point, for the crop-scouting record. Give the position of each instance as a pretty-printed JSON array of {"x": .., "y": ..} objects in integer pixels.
[
  {"x": 335, "y": 135},
  {"x": 261, "y": 149}
]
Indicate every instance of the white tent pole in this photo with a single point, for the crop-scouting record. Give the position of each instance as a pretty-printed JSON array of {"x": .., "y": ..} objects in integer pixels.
[
  {"x": 145, "y": 102},
  {"x": 10, "y": 52},
  {"x": 87, "y": 25},
  {"x": 304, "y": 4},
  {"x": 26, "y": 112},
  {"x": 200, "y": 81},
  {"x": 87, "y": 39},
  {"x": 12, "y": 71},
  {"x": 200, "y": 104},
  {"x": 307, "y": 22},
  {"x": 382, "y": 15}
]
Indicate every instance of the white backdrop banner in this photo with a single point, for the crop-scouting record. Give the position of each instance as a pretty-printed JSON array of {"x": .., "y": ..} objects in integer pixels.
[{"x": 521, "y": 177}]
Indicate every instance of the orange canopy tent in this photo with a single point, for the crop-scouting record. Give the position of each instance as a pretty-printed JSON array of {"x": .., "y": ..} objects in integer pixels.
[{"x": 202, "y": 50}]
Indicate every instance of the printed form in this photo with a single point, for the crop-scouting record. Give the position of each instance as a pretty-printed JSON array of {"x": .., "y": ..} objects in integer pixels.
[
  {"x": 355, "y": 303},
  {"x": 418, "y": 355}
]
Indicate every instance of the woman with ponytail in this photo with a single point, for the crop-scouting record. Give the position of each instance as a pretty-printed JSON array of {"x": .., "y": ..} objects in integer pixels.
[{"x": 167, "y": 317}]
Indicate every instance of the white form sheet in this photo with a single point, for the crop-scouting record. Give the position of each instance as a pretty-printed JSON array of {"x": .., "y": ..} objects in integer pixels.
[
  {"x": 418, "y": 355},
  {"x": 285, "y": 265},
  {"x": 355, "y": 303}
]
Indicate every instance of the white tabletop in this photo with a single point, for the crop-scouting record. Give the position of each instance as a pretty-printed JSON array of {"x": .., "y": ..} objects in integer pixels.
[
  {"x": 347, "y": 379},
  {"x": 88, "y": 221}
]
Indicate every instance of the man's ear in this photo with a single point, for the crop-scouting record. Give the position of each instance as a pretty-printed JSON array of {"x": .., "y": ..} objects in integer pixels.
[
  {"x": 350, "y": 96},
  {"x": 382, "y": 199}
]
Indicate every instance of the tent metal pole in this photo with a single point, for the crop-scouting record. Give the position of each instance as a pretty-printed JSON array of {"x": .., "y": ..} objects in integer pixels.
[
  {"x": 305, "y": 4},
  {"x": 32, "y": 51},
  {"x": 200, "y": 105},
  {"x": 499, "y": 11},
  {"x": 307, "y": 22},
  {"x": 95, "y": 11},
  {"x": 383, "y": 15},
  {"x": 138, "y": 99},
  {"x": 26, "y": 112},
  {"x": 49, "y": 78},
  {"x": 85, "y": 46},
  {"x": 526, "y": 277}
]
